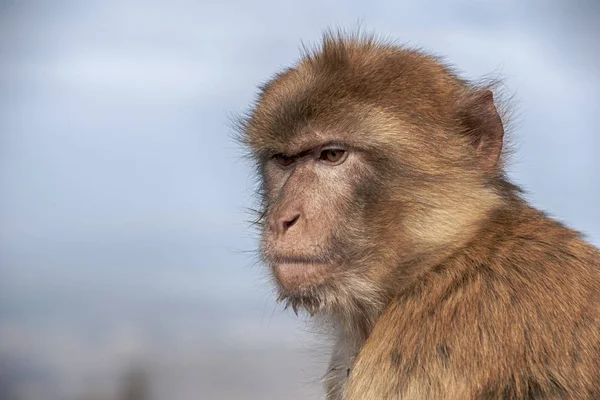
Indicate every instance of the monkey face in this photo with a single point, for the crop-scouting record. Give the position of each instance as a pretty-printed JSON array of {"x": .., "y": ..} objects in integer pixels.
[
  {"x": 321, "y": 197},
  {"x": 309, "y": 214}
]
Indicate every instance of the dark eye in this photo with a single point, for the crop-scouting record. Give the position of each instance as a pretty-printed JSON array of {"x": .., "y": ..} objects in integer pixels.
[
  {"x": 333, "y": 156},
  {"x": 283, "y": 159}
]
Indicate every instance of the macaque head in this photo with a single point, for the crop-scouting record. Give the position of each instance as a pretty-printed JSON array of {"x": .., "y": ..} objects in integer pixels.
[{"x": 372, "y": 159}]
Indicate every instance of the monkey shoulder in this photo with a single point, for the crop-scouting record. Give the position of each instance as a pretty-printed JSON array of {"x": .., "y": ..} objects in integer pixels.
[{"x": 523, "y": 324}]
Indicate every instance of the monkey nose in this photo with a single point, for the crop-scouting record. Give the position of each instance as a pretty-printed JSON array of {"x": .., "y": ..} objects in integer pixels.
[{"x": 285, "y": 222}]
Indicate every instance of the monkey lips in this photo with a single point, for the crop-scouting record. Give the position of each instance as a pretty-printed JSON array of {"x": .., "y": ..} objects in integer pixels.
[{"x": 299, "y": 275}]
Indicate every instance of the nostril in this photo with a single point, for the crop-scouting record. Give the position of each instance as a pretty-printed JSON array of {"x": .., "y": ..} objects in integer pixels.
[{"x": 289, "y": 222}]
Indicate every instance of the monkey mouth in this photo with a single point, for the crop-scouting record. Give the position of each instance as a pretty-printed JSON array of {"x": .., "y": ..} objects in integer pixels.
[
  {"x": 277, "y": 259},
  {"x": 300, "y": 274}
]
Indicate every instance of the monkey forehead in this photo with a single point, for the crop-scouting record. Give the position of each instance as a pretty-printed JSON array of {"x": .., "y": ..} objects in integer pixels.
[
  {"x": 362, "y": 127},
  {"x": 353, "y": 88}
]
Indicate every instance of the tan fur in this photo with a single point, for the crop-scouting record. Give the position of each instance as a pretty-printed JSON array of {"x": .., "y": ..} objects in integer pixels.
[
  {"x": 440, "y": 280},
  {"x": 517, "y": 311}
]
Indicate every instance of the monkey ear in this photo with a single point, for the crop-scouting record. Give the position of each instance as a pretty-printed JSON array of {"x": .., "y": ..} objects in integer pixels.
[{"x": 483, "y": 126}]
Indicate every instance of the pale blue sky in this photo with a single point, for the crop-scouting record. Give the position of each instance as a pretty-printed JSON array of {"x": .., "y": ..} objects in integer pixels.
[{"x": 123, "y": 227}]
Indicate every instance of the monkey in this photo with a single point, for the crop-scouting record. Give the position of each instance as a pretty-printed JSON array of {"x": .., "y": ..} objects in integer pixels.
[{"x": 386, "y": 214}]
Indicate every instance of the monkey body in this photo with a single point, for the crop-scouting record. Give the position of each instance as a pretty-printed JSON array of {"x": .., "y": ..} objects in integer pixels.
[
  {"x": 515, "y": 315},
  {"x": 385, "y": 210}
]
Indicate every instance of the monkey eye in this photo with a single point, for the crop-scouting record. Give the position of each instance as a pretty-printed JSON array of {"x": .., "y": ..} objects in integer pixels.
[
  {"x": 333, "y": 156},
  {"x": 283, "y": 160}
]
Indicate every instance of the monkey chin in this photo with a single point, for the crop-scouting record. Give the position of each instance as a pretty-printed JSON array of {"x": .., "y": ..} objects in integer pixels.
[
  {"x": 300, "y": 277},
  {"x": 300, "y": 283}
]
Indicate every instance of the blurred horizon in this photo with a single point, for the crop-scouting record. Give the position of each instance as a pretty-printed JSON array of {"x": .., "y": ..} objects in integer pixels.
[{"x": 124, "y": 235}]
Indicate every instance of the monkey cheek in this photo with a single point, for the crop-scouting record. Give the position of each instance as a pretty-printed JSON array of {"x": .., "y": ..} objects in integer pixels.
[{"x": 300, "y": 277}]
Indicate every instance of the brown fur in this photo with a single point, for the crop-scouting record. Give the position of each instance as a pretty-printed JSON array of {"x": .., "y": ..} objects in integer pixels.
[{"x": 441, "y": 281}]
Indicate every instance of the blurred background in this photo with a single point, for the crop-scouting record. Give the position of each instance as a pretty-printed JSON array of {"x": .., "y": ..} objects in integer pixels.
[{"x": 126, "y": 263}]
